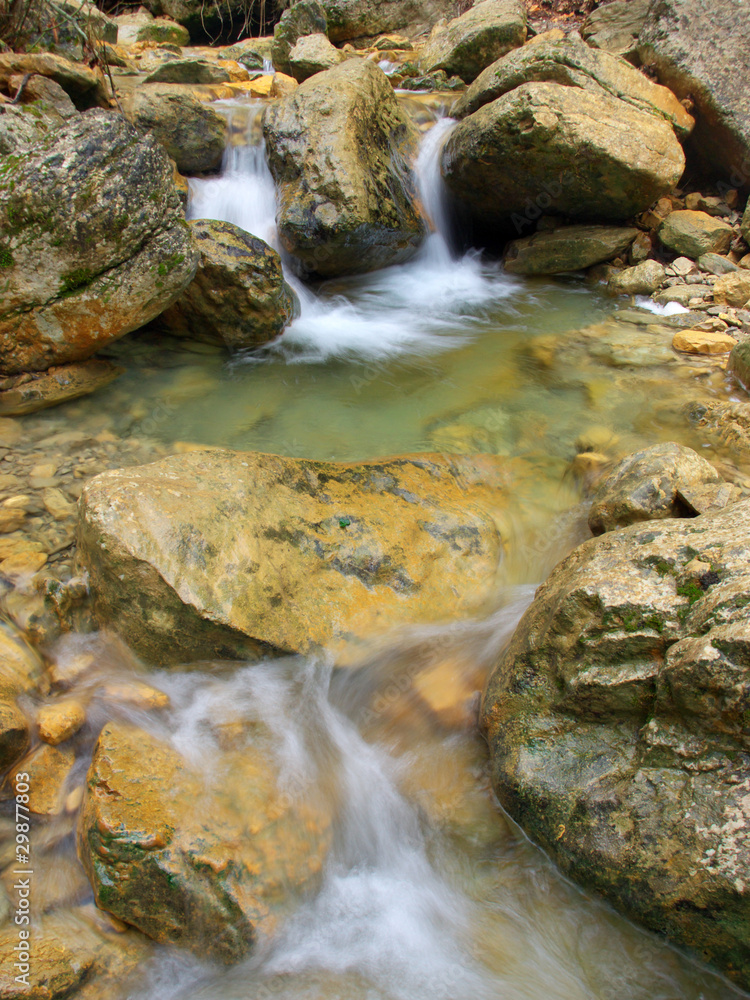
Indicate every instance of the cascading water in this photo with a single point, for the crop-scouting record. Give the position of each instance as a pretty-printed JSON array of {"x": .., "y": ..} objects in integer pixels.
[{"x": 430, "y": 304}]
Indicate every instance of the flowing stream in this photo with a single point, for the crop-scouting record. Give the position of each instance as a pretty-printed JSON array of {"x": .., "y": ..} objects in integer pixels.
[{"x": 429, "y": 892}]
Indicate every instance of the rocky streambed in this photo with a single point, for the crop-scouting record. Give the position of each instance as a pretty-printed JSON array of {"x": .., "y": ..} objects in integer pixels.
[{"x": 370, "y": 392}]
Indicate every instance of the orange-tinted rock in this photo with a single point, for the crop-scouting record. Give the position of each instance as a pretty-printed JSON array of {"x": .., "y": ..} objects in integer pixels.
[{"x": 234, "y": 554}]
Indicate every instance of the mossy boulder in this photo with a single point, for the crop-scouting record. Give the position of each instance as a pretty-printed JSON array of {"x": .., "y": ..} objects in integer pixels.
[
  {"x": 569, "y": 248},
  {"x": 95, "y": 237},
  {"x": 188, "y": 861},
  {"x": 238, "y": 296},
  {"x": 65, "y": 27},
  {"x": 142, "y": 26},
  {"x": 238, "y": 554},
  {"x": 739, "y": 362},
  {"x": 192, "y": 133},
  {"x": 86, "y": 87},
  {"x": 349, "y": 19},
  {"x": 561, "y": 150},
  {"x": 306, "y": 17},
  {"x": 617, "y": 725},
  {"x": 572, "y": 63},
  {"x": 194, "y": 71},
  {"x": 701, "y": 51},
  {"x": 469, "y": 43},
  {"x": 691, "y": 234},
  {"x": 341, "y": 150}
]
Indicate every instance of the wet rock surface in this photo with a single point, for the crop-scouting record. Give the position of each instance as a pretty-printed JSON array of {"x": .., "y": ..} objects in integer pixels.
[
  {"x": 615, "y": 721},
  {"x": 341, "y": 151},
  {"x": 241, "y": 553},
  {"x": 568, "y": 248},
  {"x": 186, "y": 865},
  {"x": 238, "y": 296},
  {"x": 110, "y": 263}
]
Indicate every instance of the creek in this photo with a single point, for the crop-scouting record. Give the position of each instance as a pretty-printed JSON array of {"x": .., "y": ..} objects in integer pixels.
[{"x": 429, "y": 891}]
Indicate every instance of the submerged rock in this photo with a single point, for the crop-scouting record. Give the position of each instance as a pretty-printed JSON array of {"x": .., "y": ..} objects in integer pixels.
[
  {"x": 234, "y": 554},
  {"x": 617, "y": 723},
  {"x": 193, "y": 134},
  {"x": 700, "y": 51},
  {"x": 238, "y": 295},
  {"x": 93, "y": 242},
  {"x": 35, "y": 391},
  {"x": 571, "y": 63},
  {"x": 20, "y": 670},
  {"x": 189, "y": 861},
  {"x": 563, "y": 150},
  {"x": 569, "y": 248},
  {"x": 484, "y": 33},
  {"x": 340, "y": 149},
  {"x": 667, "y": 480}
]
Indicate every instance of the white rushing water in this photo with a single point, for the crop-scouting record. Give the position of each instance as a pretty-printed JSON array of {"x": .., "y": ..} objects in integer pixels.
[{"x": 430, "y": 304}]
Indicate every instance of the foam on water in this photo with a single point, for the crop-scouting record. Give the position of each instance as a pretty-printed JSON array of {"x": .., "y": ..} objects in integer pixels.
[{"x": 431, "y": 304}]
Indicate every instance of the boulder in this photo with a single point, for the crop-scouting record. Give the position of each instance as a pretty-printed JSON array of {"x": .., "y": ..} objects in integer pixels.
[
  {"x": 190, "y": 861},
  {"x": 142, "y": 26},
  {"x": 469, "y": 43},
  {"x": 313, "y": 54},
  {"x": 570, "y": 248},
  {"x": 546, "y": 147},
  {"x": 205, "y": 22},
  {"x": 651, "y": 484},
  {"x": 739, "y": 362},
  {"x": 93, "y": 242},
  {"x": 571, "y": 63},
  {"x": 34, "y": 391},
  {"x": 65, "y": 27},
  {"x": 340, "y": 149},
  {"x": 643, "y": 279},
  {"x": 238, "y": 296},
  {"x": 349, "y": 19},
  {"x": 615, "y": 27},
  {"x": 194, "y": 71},
  {"x": 48, "y": 96},
  {"x": 700, "y": 51},
  {"x": 695, "y": 233},
  {"x": 617, "y": 725},
  {"x": 714, "y": 263},
  {"x": 193, "y": 134},
  {"x": 237, "y": 554},
  {"x": 745, "y": 223},
  {"x": 86, "y": 87},
  {"x": 306, "y": 17},
  {"x": 733, "y": 289}
]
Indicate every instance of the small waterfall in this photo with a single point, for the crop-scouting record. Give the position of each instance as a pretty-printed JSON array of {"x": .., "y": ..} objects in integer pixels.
[
  {"x": 428, "y": 305},
  {"x": 267, "y": 66}
]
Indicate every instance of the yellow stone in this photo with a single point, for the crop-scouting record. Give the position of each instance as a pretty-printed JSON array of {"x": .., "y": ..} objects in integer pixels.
[
  {"x": 450, "y": 691},
  {"x": 48, "y": 768},
  {"x": 236, "y": 71},
  {"x": 137, "y": 694},
  {"x": 283, "y": 85},
  {"x": 702, "y": 342},
  {"x": 59, "y": 721},
  {"x": 259, "y": 87},
  {"x": 25, "y": 562},
  {"x": 57, "y": 504}
]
